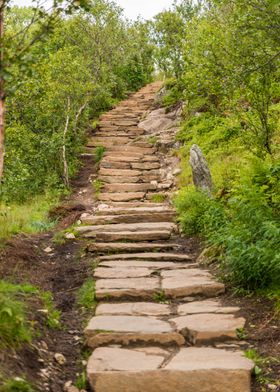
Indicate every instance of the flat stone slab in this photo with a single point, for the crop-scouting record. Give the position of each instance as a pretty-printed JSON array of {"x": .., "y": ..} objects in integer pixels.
[
  {"x": 118, "y": 272},
  {"x": 130, "y": 236},
  {"x": 155, "y": 265},
  {"x": 149, "y": 256},
  {"x": 119, "y": 188},
  {"x": 186, "y": 282},
  {"x": 146, "y": 209},
  {"x": 119, "y": 180},
  {"x": 145, "y": 165},
  {"x": 128, "y": 196},
  {"x": 133, "y": 309},
  {"x": 103, "y": 330},
  {"x": 190, "y": 370},
  {"x": 133, "y": 227},
  {"x": 122, "y": 173},
  {"x": 130, "y": 247},
  {"x": 128, "y": 287},
  {"x": 208, "y": 327},
  {"x": 208, "y": 306},
  {"x": 130, "y": 218}
]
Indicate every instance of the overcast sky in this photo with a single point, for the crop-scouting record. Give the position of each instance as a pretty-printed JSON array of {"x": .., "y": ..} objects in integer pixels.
[{"x": 145, "y": 8}]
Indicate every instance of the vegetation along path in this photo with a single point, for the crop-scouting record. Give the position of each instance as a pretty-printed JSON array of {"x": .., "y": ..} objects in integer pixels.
[{"x": 159, "y": 324}]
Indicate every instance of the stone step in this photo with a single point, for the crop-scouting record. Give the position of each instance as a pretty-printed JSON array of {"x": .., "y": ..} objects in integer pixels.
[
  {"x": 145, "y": 165},
  {"x": 130, "y": 218},
  {"x": 118, "y": 132},
  {"x": 208, "y": 327},
  {"x": 182, "y": 283},
  {"x": 158, "y": 256},
  {"x": 120, "y": 180},
  {"x": 191, "y": 369},
  {"x": 120, "y": 188},
  {"x": 95, "y": 141},
  {"x": 132, "y": 149},
  {"x": 127, "y": 210},
  {"x": 123, "y": 173},
  {"x": 124, "y": 330},
  {"x": 128, "y": 227},
  {"x": 160, "y": 310},
  {"x": 130, "y": 158},
  {"x": 119, "y": 122},
  {"x": 130, "y": 236},
  {"x": 152, "y": 265},
  {"x": 173, "y": 283},
  {"x": 134, "y": 204},
  {"x": 116, "y": 247},
  {"x": 129, "y": 196},
  {"x": 144, "y": 288}
]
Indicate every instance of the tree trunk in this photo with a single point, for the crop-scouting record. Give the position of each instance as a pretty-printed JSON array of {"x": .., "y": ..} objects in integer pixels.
[
  {"x": 2, "y": 88},
  {"x": 64, "y": 157}
]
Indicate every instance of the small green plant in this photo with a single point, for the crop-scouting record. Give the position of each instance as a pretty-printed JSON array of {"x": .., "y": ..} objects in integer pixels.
[
  {"x": 81, "y": 382},
  {"x": 86, "y": 295},
  {"x": 97, "y": 185},
  {"x": 99, "y": 153},
  {"x": 59, "y": 238},
  {"x": 160, "y": 297},
  {"x": 53, "y": 314},
  {"x": 16, "y": 384},
  {"x": 260, "y": 364},
  {"x": 152, "y": 140},
  {"x": 241, "y": 333},
  {"x": 159, "y": 198}
]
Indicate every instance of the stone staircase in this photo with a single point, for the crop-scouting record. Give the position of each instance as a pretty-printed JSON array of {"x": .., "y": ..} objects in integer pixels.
[{"x": 159, "y": 325}]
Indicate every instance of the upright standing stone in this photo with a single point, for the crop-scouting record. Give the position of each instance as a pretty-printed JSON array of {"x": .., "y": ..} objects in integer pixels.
[{"x": 201, "y": 173}]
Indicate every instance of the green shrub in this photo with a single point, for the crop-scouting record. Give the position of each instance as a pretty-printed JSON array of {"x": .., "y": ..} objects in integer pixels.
[
  {"x": 86, "y": 295},
  {"x": 30, "y": 217},
  {"x": 99, "y": 153},
  {"x": 16, "y": 385},
  {"x": 15, "y": 319},
  {"x": 245, "y": 225}
]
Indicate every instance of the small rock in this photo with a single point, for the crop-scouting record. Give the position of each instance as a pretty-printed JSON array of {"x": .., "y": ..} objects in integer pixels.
[
  {"x": 67, "y": 385},
  {"x": 60, "y": 358},
  {"x": 84, "y": 363},
  {"x": 72, "y": 388},
  {"x": 48, "y": 249},
  {"x": 176, "y": 171},
  {"x": 44, "y": 345},
  {"x": 272, "y": 387},
  {"x": 70, "y": 236}
]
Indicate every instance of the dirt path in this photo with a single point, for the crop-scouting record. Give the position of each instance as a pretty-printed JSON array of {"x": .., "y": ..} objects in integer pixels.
[{"x": 159, "y": 324}]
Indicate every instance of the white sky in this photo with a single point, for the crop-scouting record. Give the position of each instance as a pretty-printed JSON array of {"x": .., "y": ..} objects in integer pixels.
[{"x": 132, "y": 8}]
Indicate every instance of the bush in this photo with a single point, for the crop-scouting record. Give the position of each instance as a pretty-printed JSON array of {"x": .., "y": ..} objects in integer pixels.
[
  {"x": 16, "y": 385},
  {"x": 245, "y": 225},
  {"x": 15, "y": 319}
]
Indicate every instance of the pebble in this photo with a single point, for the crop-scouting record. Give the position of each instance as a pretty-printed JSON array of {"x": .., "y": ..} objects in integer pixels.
[
  {"x": 48, "y": 249},
  {"x": 60, "y": 358},
  {"x": 70, "y": 236},
  {"x": 272, "y": 387}
]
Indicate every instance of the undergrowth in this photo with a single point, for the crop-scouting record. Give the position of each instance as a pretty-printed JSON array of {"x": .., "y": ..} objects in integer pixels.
[
  {"x": 17, "y": 324},
  {"x": 16, "y": 385},
  {"x": 242, "y": 219},
  {"x": 30, "y": 217},
  {"x": 86, "y": 295}
]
